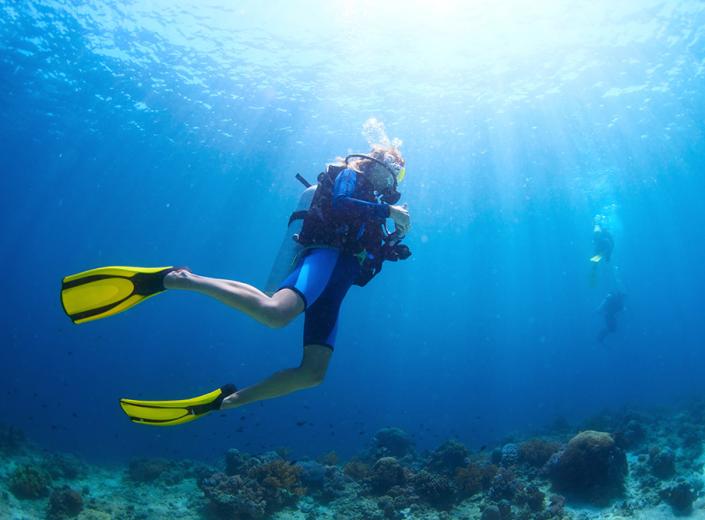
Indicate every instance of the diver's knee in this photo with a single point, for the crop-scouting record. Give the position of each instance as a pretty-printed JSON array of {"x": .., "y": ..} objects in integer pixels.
[
  {"x": 277, "y": 316},
  {"x": 312, "y": 376},
  {"x": 313, "y": 379},
  {"x": 276, "y": 321}
]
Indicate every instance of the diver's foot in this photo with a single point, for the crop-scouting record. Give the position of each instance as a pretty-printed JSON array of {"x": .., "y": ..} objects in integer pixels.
[
  {"x": 230, "y": 401},
  {"x": 179, "y": 278}
]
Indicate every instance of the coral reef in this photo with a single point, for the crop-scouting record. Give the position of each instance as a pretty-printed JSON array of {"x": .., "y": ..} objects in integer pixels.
[
  {"x": 325, "y": 482},
  {"x": 392, "y": 442},
  {"x": 680, "y": 496},
  {"x": 279, "y": 481},
  {"x": 436, "y": 489},
  {"x": 146, "y": 470},
  {"x": 262, "y": 488},
  {"x": 536, "y": 452},
  {"x": 386, "y": 473},
  {"x": 533, "y": 498},
  {"x": 232, "y": 497},
  {"x": 662, "y": 462},
  {"x": 591, "y": 467},
  {"x": 473, "y": 478},
  {"x": 238, "y": 462},
  {"x": 503, "y": 485},
  {"x": 491, "y": 512},
  {"x": 665, "y": 478},
  {"x": 448, "y": 457},
  {"x": 509, "y": 454},
  {"x": 29, "y": 482},
  {"x": 313, "y": 474},
  {"x": 357, "y": 469},
  {"x": 164, "y": 471},
  {"x": 630, "y": 434},
  {"x": 329, "y": 459},
  {"x": 64, "y": 503},
  {"x": 62, "y": 466}
]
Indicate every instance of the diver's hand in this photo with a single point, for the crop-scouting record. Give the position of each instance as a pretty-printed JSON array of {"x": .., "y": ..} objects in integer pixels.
[{"x": 400, "y": 216}]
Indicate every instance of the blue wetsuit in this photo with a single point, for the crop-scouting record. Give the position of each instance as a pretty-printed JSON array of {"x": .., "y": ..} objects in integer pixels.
[{"x": 323, "y": 276}]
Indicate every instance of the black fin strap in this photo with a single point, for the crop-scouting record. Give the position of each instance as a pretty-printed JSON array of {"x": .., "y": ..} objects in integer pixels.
[{"x": 214, "y": 405}]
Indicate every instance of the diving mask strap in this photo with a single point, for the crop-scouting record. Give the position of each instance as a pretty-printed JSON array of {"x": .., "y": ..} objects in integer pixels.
[{"x": 382, "y": 163}]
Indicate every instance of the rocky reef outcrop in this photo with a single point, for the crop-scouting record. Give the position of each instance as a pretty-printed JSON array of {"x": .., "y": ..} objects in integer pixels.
[{"x": 590, "y": 467}]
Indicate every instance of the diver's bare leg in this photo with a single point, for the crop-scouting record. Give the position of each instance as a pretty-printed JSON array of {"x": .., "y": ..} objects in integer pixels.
[
  {"x": 274, "y": 311},
  {"x": 310, "y": 373}
]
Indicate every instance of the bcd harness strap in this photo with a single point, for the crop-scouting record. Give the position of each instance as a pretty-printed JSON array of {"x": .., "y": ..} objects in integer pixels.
[
  {"x": 301, "y": 214},
  {"x": 297, "y": 215}
]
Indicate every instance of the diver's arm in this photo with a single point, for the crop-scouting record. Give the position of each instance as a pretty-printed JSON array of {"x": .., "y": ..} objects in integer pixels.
[
  {"x": 344, "y": 187},
  {"x": 402, "y": 220}
]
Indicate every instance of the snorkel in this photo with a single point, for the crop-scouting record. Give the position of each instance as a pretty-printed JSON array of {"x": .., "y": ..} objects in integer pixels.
[{"x": 396, "y": 170}]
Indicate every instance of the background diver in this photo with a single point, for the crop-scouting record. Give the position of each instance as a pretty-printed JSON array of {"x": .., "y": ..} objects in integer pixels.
[
  {"x": 610, "y": 307},
  {"x": 336, "y": 238},
  {"x": 603, "y": 245}
]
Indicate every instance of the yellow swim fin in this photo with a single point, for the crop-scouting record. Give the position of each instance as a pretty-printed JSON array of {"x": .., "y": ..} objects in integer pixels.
[
  {"x": 105, "y": 291},
  {"x": 171, "y": 413},
  {"x": 596, "y": 259}
]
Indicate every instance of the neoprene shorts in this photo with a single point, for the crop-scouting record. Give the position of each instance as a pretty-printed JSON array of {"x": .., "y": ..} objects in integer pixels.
[{"x": 322, "y": 279}]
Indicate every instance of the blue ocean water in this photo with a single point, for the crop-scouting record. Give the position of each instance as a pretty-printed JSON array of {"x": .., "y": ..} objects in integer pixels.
[{"x": 159, "y": 133}]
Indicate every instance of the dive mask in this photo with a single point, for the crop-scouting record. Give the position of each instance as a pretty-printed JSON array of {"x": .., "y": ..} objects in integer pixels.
[
  {"x": 396, "y": 167},
  {"x": 389, "y": 163},
  {"x": 396, "y": 170}
]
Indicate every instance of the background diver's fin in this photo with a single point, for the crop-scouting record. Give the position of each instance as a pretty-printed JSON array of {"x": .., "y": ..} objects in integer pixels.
[
  {"x": 105, "y": 291},
  {"x": 593, "y": 275},
  {"x": 171, "y": 413},
  {"x": 596, "y": 259}
]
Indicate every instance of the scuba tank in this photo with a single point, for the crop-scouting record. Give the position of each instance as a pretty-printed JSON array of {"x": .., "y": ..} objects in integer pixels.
[{"x": 290, "y": 248}]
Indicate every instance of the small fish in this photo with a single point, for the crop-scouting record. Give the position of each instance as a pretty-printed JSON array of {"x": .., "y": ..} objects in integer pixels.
[
  {"x": 300, "y": 423},
  {"x": 483, "y": 448}
]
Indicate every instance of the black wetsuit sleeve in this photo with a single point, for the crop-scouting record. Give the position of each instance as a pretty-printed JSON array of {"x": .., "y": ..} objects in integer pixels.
[{"x": 344, "y": 188}]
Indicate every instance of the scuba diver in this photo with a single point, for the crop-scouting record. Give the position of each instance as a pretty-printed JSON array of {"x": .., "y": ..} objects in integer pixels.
[
  {"x": 610, "y": 307},
  {"x": 341, "y": 240},
  {"x": 602, "y": 240},
  {"x": 603, "y": 245}
]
